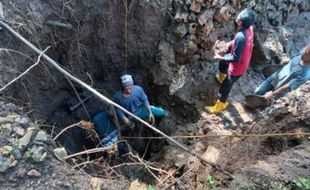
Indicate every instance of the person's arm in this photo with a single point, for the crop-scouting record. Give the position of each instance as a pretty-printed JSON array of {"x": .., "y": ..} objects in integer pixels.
[
  {"x": 235, "y": 56},
  {"x": 291, "y": 85},
  {"x": 280, "y": 90},
  {"x": 146, "y": 102},
  {"x": 119, "y": 112}
]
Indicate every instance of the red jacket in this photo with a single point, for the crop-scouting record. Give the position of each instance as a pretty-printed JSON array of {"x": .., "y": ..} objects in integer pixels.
[{"x": 239, "y": 68}]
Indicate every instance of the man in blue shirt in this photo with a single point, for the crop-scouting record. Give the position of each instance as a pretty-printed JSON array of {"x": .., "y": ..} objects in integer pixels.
[
  {"x": 290, "y": 77},
  {"x": 133, "y": 99}
]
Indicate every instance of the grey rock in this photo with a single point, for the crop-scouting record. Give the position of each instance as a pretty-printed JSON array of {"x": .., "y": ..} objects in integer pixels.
[
  {"x": 7, "y": 128},
  {"x": 24, "y": 141},
  {"x": 181, "y": 30},
  {"x": 60, "y": 153},
  {"x": 4, "y": 164},
  {"x": 25, "y": 122},
  {"x": 181, "y": 16},
  {"x": 192, "y": 17},
  {"x": 41, "y": 136},
  {"x": 195, "y": 7},
  {"x": 20, "y": 131},
  {"x": 36, "y": 153}
]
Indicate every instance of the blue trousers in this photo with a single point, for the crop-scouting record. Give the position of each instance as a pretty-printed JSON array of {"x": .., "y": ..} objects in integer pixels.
[
  {"x": 266, "y": 86},
  {"x": 157, "y": 112},
  {"x": 227, "y": 84}
]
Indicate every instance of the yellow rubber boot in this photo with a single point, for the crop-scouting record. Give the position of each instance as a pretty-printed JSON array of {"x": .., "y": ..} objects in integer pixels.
[
  {"x": 220, "y": 77},
  {"x": 217, "y": 108}
]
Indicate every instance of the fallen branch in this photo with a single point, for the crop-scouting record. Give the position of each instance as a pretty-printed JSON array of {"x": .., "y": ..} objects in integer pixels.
[
  {"x": 148, "y": 168},
  {"x": 184, "y": 174},
  {"x": 25, "y": 72},
  {"x": 65, "y": 129},
  {"x": 59, "y": 24},
  {"x": 90, "y": 151}
]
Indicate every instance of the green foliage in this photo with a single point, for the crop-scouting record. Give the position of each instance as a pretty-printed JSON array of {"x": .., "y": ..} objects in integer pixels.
[
  {"x": 150, "y": 187},
  {"x": 211, "y": 183},
  {"x": 281, "y": 186},
  {"x": 303, "y": 183},
  {"x": 251, "y": 186}
]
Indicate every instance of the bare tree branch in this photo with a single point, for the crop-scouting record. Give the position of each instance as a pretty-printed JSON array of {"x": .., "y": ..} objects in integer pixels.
[{"x": 25, "y": 72}]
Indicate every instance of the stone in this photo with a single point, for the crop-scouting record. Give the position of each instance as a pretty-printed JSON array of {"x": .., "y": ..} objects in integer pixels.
[
  {"x": 218, "y": 3},
  {"x": 207, "y": 15},
  {"x": 267, "y": 46},
  {"x": 16, "y": 153},
  {"x": 6, "y": 127},
  {"x": 60, "y": 153},
  {"x": 33, "y": 173},
  {"x": 20, "y": 131},
  {"x": 211, "y": 155},
  {"x": 195, "y": 58},
  {"x": 96, "y": 183},
  {"x": 37, "y": 153},
  {"x": 13, "y": 117},
  {"x": 208, "y": 28},
  {"x": 13, "y": 164},
  {"x": 226, "y": 12},
  {"x": 192, "y": 28},
  {"x": 4, "y": 164},
  {"x": 181, "y": 17},
  {"x": 167, "y": 52},
  {"x": 6, "y": 150},
  {"x": 137, "y": 185},
  {"x": 181, "y": 30},
  {"x": 188, "y": 2},
  {"x": 192, "y": 17},
  {"x": 24, "y": 141},
  {"x": 185, "y": 49},
  {"x": 305, "y": 6},
  {"x": 25, "y": 122},
  {"x": 285, "y": 58},
  {"x": 195, "y": 7},
  {"x": 41, "y": 136}
]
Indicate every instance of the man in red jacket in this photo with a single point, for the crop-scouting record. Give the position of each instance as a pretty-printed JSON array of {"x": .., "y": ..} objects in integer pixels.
[{"x": 233, "y": 65}]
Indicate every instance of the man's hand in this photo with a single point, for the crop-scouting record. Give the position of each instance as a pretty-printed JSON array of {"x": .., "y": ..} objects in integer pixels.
[
  {"x": 217, "y": 56},
  {"x": 151, "y": 118},
  {"x": 269, "y": 95},
  {"x": 126, "y": 121}
]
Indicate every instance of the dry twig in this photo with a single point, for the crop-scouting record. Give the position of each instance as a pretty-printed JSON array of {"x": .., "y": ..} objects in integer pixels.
[{"x": 25, "y": 72}]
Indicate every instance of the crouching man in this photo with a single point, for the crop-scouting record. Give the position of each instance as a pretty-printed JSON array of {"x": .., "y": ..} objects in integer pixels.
[{"x": 132, "y": 98}]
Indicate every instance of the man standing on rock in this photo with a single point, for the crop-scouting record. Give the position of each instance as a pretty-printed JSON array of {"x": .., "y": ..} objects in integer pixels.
[
  {"x": 290, "y": 77},
  {"x": 233, "y": 65},
  {"x": 133, "y": 99}
]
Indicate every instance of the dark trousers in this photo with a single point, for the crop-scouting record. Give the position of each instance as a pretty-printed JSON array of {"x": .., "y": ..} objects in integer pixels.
[{"x": 227, "y": 84}]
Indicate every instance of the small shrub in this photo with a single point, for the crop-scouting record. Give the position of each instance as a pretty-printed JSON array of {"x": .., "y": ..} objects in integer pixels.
[
  {"x": 302, "y": 183},
  {"x": 211, "y": 183}
]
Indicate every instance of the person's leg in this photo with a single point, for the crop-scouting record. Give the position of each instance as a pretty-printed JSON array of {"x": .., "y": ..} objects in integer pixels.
[
  {"x": 226, "y": 87},
  {"x": 157, "y": 112},
  {"x": 223, "y": 67},
  {"x": 266, "y": 86}
]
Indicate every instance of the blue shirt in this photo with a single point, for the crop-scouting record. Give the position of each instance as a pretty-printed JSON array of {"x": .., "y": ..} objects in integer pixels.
[
  {"x": 239, "y": 44},
  {"x": 293, "y": 74},
  {"x": 133, "y": 103}
]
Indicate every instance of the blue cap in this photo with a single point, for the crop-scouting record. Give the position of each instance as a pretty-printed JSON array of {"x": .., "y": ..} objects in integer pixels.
[
  {"x": 127, "y": 80},
  {"x": 248, "y": 17}
]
